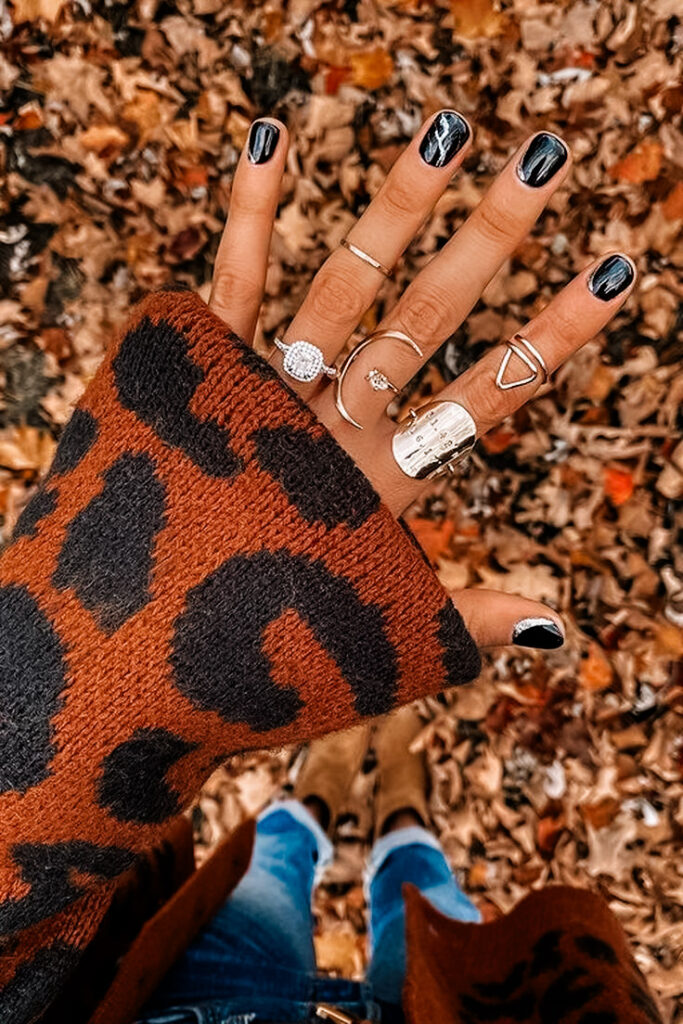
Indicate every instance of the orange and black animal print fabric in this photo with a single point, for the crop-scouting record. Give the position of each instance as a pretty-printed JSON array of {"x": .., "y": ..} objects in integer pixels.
[{"x": 203, "y": 571}]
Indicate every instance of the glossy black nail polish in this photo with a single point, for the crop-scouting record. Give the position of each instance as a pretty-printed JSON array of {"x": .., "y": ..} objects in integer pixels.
[
  {"x": 611, "y": 278},
  {"x": 543, "y": 158},
  {"x": 544, "y": 634},
  {"x": 446, "y": 136},
  {"x": 263, "y": 139}
]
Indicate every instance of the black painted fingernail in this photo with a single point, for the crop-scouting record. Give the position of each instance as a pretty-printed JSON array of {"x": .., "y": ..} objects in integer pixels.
[
  {"x": 263, "y": 139},
  {"x": 611, "y": 278},
  {"x": 543, "y": 158},
  {"x": 446, "y": 136},
  {"x": 541, "y": 633}
]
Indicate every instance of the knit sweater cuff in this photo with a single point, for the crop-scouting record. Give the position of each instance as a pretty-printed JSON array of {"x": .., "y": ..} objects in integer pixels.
[{"x": 204, "y": 571}]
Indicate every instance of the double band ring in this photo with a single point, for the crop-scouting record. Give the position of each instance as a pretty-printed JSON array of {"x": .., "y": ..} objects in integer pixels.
[
  {"x": 365, "y": 257},
  {"x": 303, "y": 361},
  {"x": 376, "y": 378},
  {"x": 530, "y": 356}
]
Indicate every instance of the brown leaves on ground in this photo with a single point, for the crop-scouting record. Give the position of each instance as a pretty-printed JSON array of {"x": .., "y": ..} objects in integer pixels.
[{"x": 120, "y": 133}]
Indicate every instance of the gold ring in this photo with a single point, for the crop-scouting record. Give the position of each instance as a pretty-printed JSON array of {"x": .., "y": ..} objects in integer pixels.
[
  {"x": 378, "y": 380},
  {"x": 531, "y": 358},
  {"x": 366, "y": 257}
]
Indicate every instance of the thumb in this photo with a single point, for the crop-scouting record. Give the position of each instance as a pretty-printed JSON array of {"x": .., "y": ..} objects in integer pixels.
[{"x": 495, "y": 619}]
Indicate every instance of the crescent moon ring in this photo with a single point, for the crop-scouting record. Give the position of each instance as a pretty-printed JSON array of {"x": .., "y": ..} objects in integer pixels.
[{"x": 351, "y": 357}]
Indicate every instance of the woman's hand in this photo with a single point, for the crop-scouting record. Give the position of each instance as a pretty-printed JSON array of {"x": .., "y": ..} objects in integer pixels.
[{"x": 429, "y": 311}]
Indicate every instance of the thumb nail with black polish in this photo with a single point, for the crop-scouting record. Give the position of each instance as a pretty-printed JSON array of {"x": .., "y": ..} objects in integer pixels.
[
  {"x": 611, "y": 278},
  {"x": 263, "y": 139},
  {"x": 543, "y": 634}
]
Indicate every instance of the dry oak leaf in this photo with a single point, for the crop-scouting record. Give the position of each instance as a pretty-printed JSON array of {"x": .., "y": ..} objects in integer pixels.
[
  {"x": 641, "y": 164},
  {"x": 104, "y": 139},
  {"x": 596, "y": 672},
  {"x": 371, "y": 69},
  {"x": 26, "y": 448},
  {"x": 32, "y": 10},
  {"x": 477, "y": 19}
]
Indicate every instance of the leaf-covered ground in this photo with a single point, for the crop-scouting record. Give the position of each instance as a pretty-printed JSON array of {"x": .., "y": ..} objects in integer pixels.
[{"x": 120, "y": 126}]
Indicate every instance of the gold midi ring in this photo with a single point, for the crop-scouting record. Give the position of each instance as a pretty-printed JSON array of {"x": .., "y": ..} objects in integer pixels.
[
  {"x": 532, "y": 358},
  {"x": 366, "y": 257},
  {"x": 376, "y": 378}
]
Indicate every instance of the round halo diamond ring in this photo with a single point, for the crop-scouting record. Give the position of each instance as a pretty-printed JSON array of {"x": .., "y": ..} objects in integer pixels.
[{"x": 303, "y": 361}]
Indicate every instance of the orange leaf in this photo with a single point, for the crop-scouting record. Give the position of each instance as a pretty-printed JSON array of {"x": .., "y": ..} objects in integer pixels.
[
  {"x": 549, "y": 831},
  {"x": 642, "y": 164},
  {"x": 497, "y": 441},
  {"x": 602, "y": 813},
  {"x": 476, "y": 19},
  {"x": 619, "y": 485},
  {"x": 371, "y": 69},
  {"x": 334, "y": 77},
  {"x": 595, "y": 673},
  {"x": 192, "y": 177},
  {"x": 104, "y": 139},
  {"x": 432, "y": 537},
  {"x": 670, "y": 640},
  {"x": 672, "y": 207}
]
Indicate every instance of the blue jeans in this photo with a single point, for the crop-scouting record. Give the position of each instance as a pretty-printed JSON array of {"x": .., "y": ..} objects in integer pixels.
[{"x": 255, "y": 960}]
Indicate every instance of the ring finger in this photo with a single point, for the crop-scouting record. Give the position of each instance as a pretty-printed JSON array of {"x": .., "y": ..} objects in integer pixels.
[
  {"x": 495, "y": 386},
  {"x": 346, "y": 285}
]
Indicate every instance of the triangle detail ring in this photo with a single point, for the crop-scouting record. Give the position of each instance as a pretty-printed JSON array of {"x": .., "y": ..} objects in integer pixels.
[{"x": 529, "y": 355}]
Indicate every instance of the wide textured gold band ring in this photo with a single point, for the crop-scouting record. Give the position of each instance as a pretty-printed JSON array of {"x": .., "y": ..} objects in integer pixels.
[
  {"x": 366, "y": 257},
  {"x": 434, "y": 439},
  {"x": 376, "y": 378}
]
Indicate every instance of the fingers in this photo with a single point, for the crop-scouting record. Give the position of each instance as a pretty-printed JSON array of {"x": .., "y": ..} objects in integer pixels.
[
  {"x": 242, "y": 258},
  {"x": 570, "y": 320},
  {"x": 346, "y": 285},
  {"x": 494, "y": 387},
  {"x": 442, "y": 295},
  {"x": 495, "y": 619}
]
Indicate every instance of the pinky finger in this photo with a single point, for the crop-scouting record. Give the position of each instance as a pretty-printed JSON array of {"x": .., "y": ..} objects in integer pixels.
[
  {"x": 495, "y": 619},
  {"x": 242, "y": 259}
]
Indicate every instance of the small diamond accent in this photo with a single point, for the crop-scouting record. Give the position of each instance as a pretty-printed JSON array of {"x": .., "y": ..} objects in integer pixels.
[
  {"x": 378, "y": 381},
  {"x": 303, "y": 361}
]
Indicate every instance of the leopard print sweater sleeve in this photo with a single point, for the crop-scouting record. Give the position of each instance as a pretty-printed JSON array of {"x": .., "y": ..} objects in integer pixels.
[{"x": 203, "y": 571}]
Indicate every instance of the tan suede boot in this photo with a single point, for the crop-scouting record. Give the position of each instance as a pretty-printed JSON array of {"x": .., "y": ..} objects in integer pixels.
[
  {"x": 402, "y": 777},
  {"x": 329, "y": 769}
]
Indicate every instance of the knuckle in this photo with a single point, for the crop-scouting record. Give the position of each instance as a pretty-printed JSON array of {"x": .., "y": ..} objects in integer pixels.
[
  {"x": 564, "y": 327},
  {"x": 251, "y": 203},
  {"x": 498, "y": 226},
  {"x": 425, "y": 315},
  {"x": 335, "y": 297},
  {"x": 398, "y": 199},
  {"x": 232, "y": 286}
]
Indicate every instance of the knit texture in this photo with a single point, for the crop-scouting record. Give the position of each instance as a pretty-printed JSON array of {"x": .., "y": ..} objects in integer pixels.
[
  {"x": 204, "y": 571},
  {"x": 560, "y": 957}
]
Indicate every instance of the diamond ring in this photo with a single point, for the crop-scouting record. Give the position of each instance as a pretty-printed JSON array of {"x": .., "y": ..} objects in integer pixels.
[
  {"x": 376, "y": 378},
  {"x": 303, "y": 361}
]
